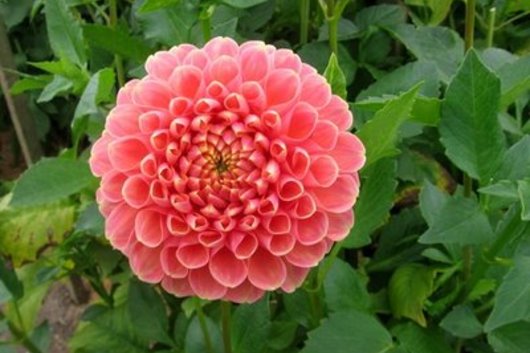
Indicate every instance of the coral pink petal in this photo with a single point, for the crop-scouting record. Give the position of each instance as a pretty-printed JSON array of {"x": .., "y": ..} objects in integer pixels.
[
  {"x": 221, "y": 46},
  {"x": 286, "y": 59},
  {"x": 254, "y": 63},
  {"x": 111, "y": 186},
  {"x": 123, "y": 120},
  {"x": 323, "y": 172},
  {"x": 312, "y": 230},
  {"x": 243, "y": 245},
  {"x": 324, "y": 137},
  {"x": 224, "y": 69},
  {"x": 120, "y": 225},
  {"x": 99, "y": 158},
  {"x": 161, "y": 64},
  {"x": 301, "y": 122},
  {"x": 315, "y": 91},
  {"x": 178, "y": 287},
  {"x": 295, "y": 277},
  {"x": 204, "y": 285},
  {"x": 244, "y": 293},
  {"x": 304, "y": 207},
  {"x": 340, "y": 225},
  {"x": 145, "y": 262},
  {"x": 193, "y": 256},
  {"x": 227, "y": 269},
  {"x": 283, "y": 86},
  {"x": 340, "y": 196},
  {"x": 186, "y": 81},
  {"x": 349, "y": 153},
  {"x": 150, "y": 228},
  {"x": 266, "y": 271},
  {"x": 338, "y": 113},
  {"x": 136, "y": 191},
  {"x": 126, "y": 153},
  {"x": 307, "y": 255},
  {"x": 152, "y": 94},
  {"x": 281, "y": 244},
  {"x": 170, "y": 264}
]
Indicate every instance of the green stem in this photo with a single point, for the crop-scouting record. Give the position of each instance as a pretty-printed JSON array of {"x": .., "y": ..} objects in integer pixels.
[
  {"x": 314, "y": 298},
  {"x": 226, "y": 323},
  {"x": 513, "y": 19},
  {"x": 305, "y": 7},
  {"x": 514, "y": 227},
  {"x": 470, "y": 24},
  {"x": 333, "y": 26},
  {"x": 20, "y": 335},
  {"x": 204, "y": 327},
  {"x": 491, "y": 27},
  {"x": 118, "y": 62},
  {"x": 206, "y": 28}
]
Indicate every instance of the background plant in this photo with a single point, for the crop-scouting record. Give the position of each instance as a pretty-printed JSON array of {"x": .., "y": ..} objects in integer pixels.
[{"x": 439, "y": 258}]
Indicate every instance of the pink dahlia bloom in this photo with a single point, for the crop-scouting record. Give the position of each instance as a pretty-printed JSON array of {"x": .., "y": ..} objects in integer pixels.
[{"x": 227, "y": 171}]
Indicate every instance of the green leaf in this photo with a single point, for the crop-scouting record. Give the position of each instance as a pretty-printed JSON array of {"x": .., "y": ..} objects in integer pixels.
[
  {"x": 462, "y": 322},
  {"x": 374, "y": 202},
  {"x": 516, "y": 162},
  {"x": 97, "y": 91},
  {"x": 195, "y": 341},
  {"x": 409, "y": 288},
  {"x": 64, "y": 32},
  {"x": 317, "y": 54},
  {"x": 503, "y": 188},
  {"x": 335, "y": 77},
  {"x": 438, "y": 9},
  {"x": 403, "y": 78},
  {"x": 282, "y": 334},
  {"x": 58, "y": 85},
  {"x": 298, "y": 307},
  {"x": 380, "y": 134},
  {"x": 432, "y": 201},
  {"x": 515, "y": 80},
  {"x": 346, "y": 30},
  {"x": 108, "y": 330},
  {"x": 250, "y": 327},
  {"x": 512, "y": 299},
  {"x": 425, "y": 111},
  {"x": 416, "y": 339},
  {"x": 469, "y": 128},
  {"x": 30, "y": 83},
  {"x": 459, "y": 220},
  {"x": 512, "y": 338},
  {"x": 170, "y": 25},
  {"x": 51, "y": 179},
  {"x": 440, "y": 45},
  {"x": 116, "y": 41},
  {"x": 523, "y": 189},
  {"x": 152, "y": 5},
  {"x": 345, "y": 289},
  {"x": 25, "y": 231},
  {"x": 148, "y": 309},
  {"x": 380, "y": 16},
  {"x": 349, "y": 331},
  {"x": 10, "y": 281},
  {"x": 243, "y": 4}
]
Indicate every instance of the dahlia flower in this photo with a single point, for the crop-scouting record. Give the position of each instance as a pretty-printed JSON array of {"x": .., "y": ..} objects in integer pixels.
[{"x": 227, "y": 170}]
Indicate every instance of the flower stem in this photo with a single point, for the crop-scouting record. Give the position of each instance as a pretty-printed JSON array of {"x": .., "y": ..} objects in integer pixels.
[
  {"x": 19, "y": 334},
  {"x": 226, "y": 323},
  {"x": 304, "y": 20},
  {"x": 333, "y": 25},
  {"x": 470, "y": 24},
  {"x": 491, "y": 27},
  {"x": 514, "y": 227},
  {"x": 118, "y": 62},
  {"x": 204, "y": 326},
  {"x": 206, "y": 28}
]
